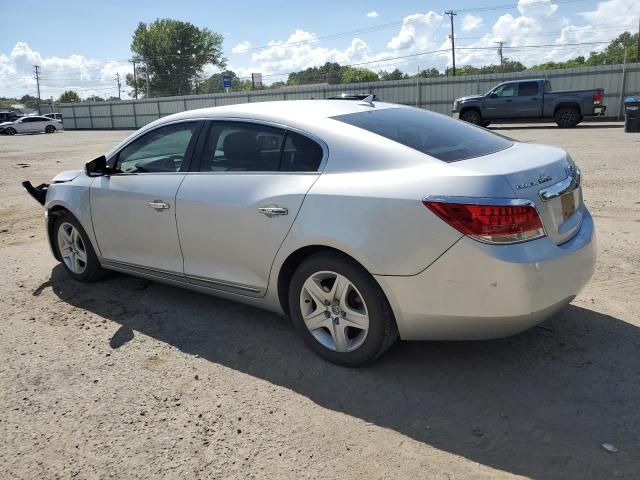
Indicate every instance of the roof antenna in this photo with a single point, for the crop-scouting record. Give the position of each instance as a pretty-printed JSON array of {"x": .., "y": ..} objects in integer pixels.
[{"x": 367, "y": 102}]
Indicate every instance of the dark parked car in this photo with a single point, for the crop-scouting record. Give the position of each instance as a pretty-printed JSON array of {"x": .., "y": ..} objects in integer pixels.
[
  {"x": 9, "y": 116},
  {"x": 530, "y": 99}
]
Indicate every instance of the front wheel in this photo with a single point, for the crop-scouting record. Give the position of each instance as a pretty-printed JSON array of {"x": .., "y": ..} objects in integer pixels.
[
  {"x": 472, "y": 116},
  {"x": 50, "y": 129},
  {"x": 340, "y": 311},
  {"x": 75, "y": 250},
  {"x": 11, "y": 131}
]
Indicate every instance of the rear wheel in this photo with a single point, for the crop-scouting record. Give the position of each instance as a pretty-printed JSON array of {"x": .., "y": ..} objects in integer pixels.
[
  {"x": 567, "y": 117},
  {"x": 340, "y": 311},
  {"x": 74, "y": 248},
  {"x": 50, "y": 129},
  {"x": 471, "y": 116}
]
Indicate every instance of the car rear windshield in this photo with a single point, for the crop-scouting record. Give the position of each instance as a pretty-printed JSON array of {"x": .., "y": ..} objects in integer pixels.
[{"x": 436, "y": 135}]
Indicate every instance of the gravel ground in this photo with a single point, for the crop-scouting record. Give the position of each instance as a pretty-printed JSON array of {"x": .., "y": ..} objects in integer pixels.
[{"x": 134, "y": 379}]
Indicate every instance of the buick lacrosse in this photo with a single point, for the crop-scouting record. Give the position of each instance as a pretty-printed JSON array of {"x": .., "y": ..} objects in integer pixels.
[{"x": 362, "y": 221}]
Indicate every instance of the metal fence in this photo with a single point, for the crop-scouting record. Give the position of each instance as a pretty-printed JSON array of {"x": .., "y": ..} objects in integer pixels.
[{"x": 435, "y": 94}]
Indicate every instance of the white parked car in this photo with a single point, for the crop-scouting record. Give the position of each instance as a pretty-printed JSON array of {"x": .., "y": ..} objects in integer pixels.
[
  {"x": 362, "y": 221},
  {"x": 31, "y": 124}
]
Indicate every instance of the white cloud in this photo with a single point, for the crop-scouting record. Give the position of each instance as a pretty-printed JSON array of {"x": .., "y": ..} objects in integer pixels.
[
  {"x": 373, "y": 14},
  {"x": 88, "y": 76},
  {"x": 471, "y": 22},
  {"x": 242, "y": 47},
  {"x": 417, "y": 31},
  {"x": 537, "y": 8}
]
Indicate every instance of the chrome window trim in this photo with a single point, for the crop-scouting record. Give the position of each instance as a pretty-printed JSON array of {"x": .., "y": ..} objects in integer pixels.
[{"x": 287, "y": 128}]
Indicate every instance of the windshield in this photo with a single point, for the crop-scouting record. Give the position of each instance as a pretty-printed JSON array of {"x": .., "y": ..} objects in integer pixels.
[{"x": 436, "y": 135}]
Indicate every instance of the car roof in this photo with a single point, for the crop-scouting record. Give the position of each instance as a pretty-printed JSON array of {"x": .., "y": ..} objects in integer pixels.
[{"x": 288, "y": 111}]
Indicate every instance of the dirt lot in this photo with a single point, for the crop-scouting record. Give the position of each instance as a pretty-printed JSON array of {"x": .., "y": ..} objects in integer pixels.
[{"x": 133, "y": 379}]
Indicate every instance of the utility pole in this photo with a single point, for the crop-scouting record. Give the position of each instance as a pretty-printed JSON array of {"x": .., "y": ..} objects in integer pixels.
[
  {"x": 117, "y": 79},
  {"x": 638, "y": 47},
  {"x": 500, "y": 43},
  {"x": 146, "y": 73},
  {"x": 452, "y": 14},
  {"x": 135, "y": 80},
  {"x": 37, "y": 75}
]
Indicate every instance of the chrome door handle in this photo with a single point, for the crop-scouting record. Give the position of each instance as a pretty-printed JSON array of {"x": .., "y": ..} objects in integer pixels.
[
  {"x": 273, "y": 211},
  {"x": 159, "y": 205}
]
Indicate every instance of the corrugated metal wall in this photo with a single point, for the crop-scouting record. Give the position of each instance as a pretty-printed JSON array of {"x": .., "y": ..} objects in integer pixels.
[{"x": 435, "y": 94}]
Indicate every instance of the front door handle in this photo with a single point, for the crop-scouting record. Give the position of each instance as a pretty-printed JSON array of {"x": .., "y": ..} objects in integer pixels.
[
  {"x": 273, "y": 211},
  {"x": 159, "y": 205}
]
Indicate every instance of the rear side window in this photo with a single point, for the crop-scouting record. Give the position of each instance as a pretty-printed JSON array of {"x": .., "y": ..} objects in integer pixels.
[
  {"x": 526, "y": 89},
  {"x": 249, "y": 147},
  {"x": 300, "y": 154},
  {"x": 436, "y": 135}
]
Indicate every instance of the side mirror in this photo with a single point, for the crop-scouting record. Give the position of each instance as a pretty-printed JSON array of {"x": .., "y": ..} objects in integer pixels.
[
  {"x": 493, "y": 95},
  {"x": 96, "y": 167}
]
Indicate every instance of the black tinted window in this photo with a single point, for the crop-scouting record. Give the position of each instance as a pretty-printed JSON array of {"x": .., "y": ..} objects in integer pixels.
[
  {"x": 242, "y": 147},
  {"x": 300, "y": 154},
  {"x": 436, "y": 135},
  {"x": 527, "y": 89}
]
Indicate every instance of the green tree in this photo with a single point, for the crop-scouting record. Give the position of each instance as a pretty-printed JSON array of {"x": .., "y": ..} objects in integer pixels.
[
  {"x": 356, "y": 75},
  {"x": 69, "y": 96},
  {"x": 173, "y": 55},
  {"x": 394, "y": 75},
  {"x": 94, "y": 98},
  {"x": 213, "y": 84}
]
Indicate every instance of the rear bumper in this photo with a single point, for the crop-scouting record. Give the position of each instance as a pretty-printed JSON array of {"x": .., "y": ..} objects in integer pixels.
[{"x": 477, "y": 291}]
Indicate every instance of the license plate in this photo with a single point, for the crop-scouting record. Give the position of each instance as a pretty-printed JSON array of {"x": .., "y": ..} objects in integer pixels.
[
  {"x": 597, "y": 110},
  {"x": 568, "y": 203}
]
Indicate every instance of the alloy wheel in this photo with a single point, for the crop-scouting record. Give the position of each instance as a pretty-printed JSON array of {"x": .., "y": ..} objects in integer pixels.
[
  {"x": 334, "y": 311},
  {"x": 72, "y": 248}
]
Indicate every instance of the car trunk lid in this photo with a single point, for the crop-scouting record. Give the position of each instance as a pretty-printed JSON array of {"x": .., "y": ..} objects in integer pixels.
[{"x": 544, "y": 175}]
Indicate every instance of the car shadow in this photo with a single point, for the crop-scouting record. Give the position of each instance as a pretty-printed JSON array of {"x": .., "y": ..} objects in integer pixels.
[{"x": 539, "y": 404}]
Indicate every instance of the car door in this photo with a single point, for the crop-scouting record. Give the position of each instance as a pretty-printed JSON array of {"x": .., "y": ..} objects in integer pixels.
[
  {"x": 235, "y": 209},
  {"x": 499, "y": 102},
  {"x": 528, "y": 102},
  {"x": 133, "y": 209},
  {"x": 24, "y": 125}
]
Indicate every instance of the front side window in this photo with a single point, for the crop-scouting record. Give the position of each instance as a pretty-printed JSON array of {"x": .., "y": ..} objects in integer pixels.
[
  {"x": 436, "y": 135},
  {"x": 161, "y": 150},
  {"x": 508, "y": 90}
]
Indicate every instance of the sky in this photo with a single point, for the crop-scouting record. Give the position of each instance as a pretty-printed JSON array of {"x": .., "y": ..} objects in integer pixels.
[{"x": 81, "y": 45}]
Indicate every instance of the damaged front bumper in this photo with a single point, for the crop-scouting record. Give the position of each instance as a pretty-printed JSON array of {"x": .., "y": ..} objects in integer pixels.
[{"x": 39, "y": 192}]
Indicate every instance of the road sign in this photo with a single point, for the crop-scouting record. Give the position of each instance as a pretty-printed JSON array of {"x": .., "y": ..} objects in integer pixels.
[{"x": 226, "y": 81}]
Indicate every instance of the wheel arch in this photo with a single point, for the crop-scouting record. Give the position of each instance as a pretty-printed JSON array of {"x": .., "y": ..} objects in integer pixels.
[
  {"x": 288, "y": 268},
  {"x": 475, "y": 108},
  {"x": 569, "y": 105}
]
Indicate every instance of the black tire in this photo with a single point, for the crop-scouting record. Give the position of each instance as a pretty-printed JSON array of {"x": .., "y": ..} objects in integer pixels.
[
  {"x": 11, "y": 131},
  {"x": 92, "y": 269},
  {"x": 472, "y": 116},
  {"x": 485, "y": 124},
  {"x": 382, "y": 331},
  {"x": 567, "y": 117},
  {"x": 49, "y": 129}
]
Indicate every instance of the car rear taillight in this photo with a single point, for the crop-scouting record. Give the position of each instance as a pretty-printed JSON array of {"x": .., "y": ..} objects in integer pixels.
[
  {"x": 497, "y": 222},
  {"x": 597, "y": 97}
]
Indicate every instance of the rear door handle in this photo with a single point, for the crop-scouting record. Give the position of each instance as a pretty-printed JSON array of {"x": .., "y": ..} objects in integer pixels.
[
  {"x": 159, "y": 205},
  {"x": 273, "y": 211},
  {"x": 534, "y": 99}
]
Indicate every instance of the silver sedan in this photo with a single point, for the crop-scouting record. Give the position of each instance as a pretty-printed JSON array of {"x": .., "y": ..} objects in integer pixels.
[{"x": 361, "y": 221}]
